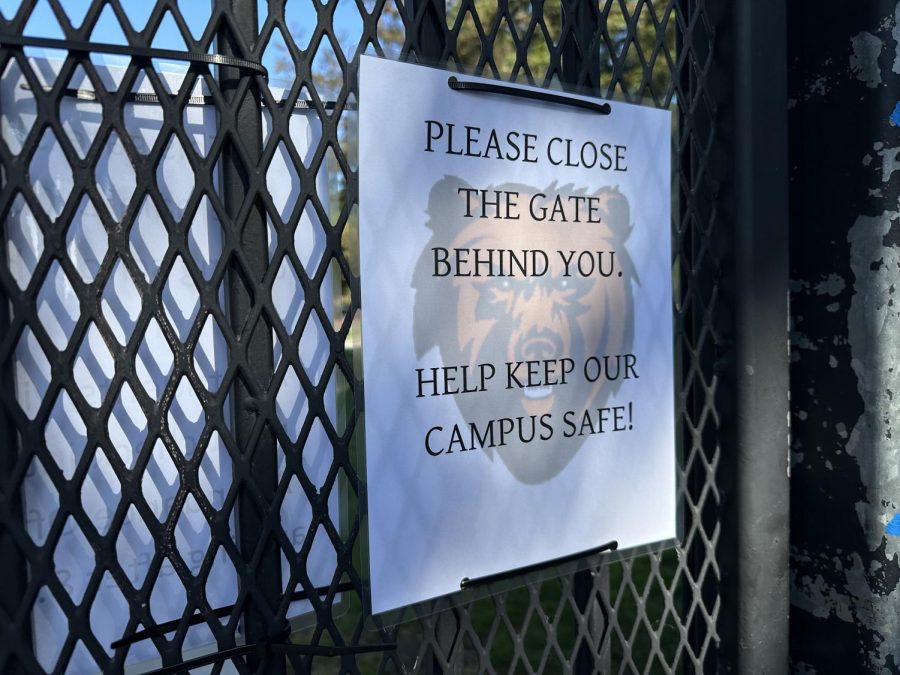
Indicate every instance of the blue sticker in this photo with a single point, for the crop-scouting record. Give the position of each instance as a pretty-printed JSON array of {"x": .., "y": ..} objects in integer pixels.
[
  {"x": 893, "y": 527},
  {"x": 895, "y": 116}
]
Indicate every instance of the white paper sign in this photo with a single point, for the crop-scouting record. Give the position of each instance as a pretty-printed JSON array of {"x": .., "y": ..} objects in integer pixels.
[{"x": 517, "y": 330}]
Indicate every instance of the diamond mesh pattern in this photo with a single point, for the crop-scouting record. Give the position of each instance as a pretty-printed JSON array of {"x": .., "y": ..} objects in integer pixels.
[{"x": 179, "y": 394}]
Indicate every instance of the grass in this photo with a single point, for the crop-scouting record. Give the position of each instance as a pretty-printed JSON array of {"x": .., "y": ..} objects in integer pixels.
[{"x": 638, "y": 618}]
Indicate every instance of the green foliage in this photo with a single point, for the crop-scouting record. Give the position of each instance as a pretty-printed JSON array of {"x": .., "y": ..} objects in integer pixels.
[
  {"x": 518, "y": 41},
  {"x": 636, "y": 47}
]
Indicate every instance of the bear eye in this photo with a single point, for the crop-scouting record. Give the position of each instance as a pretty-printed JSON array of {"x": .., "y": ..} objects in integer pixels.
[
  {"x": 496, "y": 288},
  {"x": 573, "y": 286},
  {"x": 492, "y": 294},
  {"x": 562, "y": 283}
]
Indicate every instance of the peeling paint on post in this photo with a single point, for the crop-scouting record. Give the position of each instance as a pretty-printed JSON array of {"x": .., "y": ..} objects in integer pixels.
[
  {"x": 845, "y": 361},
  {"x": 864, "y": 60}
]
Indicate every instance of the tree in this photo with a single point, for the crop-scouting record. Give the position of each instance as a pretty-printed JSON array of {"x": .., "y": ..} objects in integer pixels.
[{"x": 629, "y": 43}]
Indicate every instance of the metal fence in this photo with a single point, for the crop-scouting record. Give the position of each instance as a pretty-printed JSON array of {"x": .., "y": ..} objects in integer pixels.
[{"x": 180, "y": 317}]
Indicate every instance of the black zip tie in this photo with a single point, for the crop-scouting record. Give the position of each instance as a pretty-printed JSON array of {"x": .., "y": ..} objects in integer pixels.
[
  {"x": 539, "y": 95},
  {"x": 527, "y": 569},
  {"x": 198, "y": 618},
  {"x": 263, "y": 649},
  {"x": 7, "y": 40},
  {"x": 139, "y": 97}
]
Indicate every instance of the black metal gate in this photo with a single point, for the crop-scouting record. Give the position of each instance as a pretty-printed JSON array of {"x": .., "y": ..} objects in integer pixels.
[{"x": 220, "y": 232}]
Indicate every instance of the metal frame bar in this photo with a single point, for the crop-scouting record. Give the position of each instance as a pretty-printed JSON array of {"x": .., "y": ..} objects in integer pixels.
[{"x": 13, "y": 565}]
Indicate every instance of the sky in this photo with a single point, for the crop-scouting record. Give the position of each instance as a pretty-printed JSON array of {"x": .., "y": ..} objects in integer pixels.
[{"x": 300, "y": 17}]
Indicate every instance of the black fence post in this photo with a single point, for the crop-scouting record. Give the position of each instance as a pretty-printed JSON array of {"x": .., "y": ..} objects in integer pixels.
[
  {"x": 580, "y": 56},
  {"x": 755, "y": 423},
  {"x": 428, "y": 19},
  {"x": 257, "y": 446},
  {"x": 13, "y": 561},
  {"x": 13, "y": 567}
]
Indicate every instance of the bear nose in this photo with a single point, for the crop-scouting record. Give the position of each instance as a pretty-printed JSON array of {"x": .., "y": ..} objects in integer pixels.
[{"x": 543, "y": 345}]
